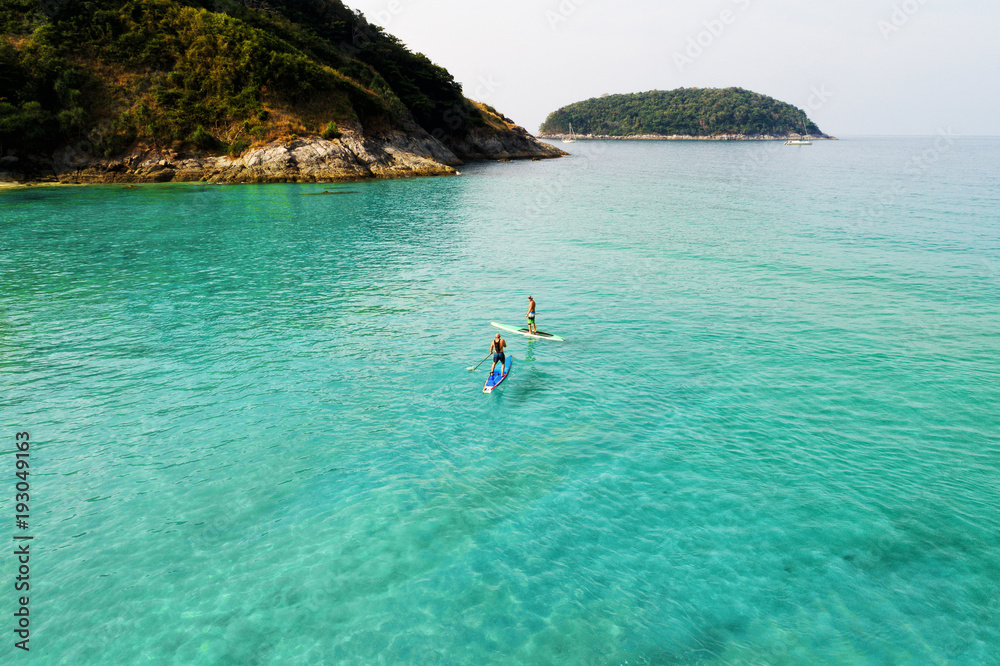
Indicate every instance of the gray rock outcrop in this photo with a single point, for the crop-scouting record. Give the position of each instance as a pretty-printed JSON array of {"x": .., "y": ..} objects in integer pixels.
[{"x": 353, "y": 156}]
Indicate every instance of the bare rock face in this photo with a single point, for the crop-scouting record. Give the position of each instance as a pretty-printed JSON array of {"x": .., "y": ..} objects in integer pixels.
[
  {"x": 353, "y": 156},
  {"x": 312, "y": 159},
  {"x": 516, "y": 144}
]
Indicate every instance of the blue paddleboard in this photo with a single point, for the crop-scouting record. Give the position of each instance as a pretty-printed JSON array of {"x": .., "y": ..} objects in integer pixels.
[{"x": 495, "y": 379}]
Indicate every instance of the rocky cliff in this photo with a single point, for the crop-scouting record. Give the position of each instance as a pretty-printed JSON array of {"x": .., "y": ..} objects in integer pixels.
[
  {"x": 353, "y": 156},
  {"x": 229, "y": 91}
]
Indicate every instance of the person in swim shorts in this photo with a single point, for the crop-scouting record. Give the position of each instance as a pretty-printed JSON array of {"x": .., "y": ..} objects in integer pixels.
[
  {"x": 531, "y": 316},
  {"x": 497, "y": 350}
]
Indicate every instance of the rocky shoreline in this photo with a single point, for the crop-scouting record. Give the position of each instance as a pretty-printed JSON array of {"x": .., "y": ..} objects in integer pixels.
[
  {"x": 353, "y": 156},
  {"x": 688, "y": 137}
]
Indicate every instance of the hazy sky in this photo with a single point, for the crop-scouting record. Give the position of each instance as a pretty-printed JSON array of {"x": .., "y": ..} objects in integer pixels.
[{"x": 855, "y": 66}]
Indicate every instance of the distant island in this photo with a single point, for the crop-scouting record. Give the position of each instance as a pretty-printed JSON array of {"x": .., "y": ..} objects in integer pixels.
[
  {"x": 685, "y": 113},
  {"x": 229, "y": 91}
]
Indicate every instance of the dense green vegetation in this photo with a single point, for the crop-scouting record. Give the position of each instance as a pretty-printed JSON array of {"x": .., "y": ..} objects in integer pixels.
[
  {"x": 215, "y": 75},
  {"x": 686, "y": 111}
]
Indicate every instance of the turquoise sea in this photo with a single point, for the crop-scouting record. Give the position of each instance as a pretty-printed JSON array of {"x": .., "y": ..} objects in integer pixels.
[{"x": 772, "y": 435}]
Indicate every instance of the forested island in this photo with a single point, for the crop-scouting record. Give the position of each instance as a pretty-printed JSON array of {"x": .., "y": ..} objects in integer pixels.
[
  {"x": 685, "y": 113},
  {"x": 229, "y": 91}
]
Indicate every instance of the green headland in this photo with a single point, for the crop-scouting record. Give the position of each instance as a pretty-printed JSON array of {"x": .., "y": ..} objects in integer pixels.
[
  {"x": 690, "y": 113},
  {"x": 95, "y": 90}
]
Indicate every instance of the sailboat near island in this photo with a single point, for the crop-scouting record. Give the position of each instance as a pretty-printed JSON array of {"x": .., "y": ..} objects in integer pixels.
[
  {"x": 570, "y": 138},
  {"x": 803, "y": 141}
]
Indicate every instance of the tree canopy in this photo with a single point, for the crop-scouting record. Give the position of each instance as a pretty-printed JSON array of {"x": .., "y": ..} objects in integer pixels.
[
  {"x": 685, "y": 111},
  {"x": 173, "y": 72}
]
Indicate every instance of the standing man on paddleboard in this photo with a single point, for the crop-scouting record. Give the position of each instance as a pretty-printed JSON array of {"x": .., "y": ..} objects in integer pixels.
[
  {"x": 531, "y": 316},
  {"x": 497, "y": 350}
]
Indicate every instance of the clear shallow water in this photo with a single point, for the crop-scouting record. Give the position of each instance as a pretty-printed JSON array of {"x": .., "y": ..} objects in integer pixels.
[{"x": 771, "y": 436}]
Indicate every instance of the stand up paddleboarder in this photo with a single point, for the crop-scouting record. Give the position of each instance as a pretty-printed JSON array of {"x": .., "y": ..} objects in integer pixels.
[
  {"x": 497, "y": 350},
  {"x": 531, "y": 316}
]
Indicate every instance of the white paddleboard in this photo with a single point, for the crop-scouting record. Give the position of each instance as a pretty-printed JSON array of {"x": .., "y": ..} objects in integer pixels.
[{"x": 541, "y": 335}]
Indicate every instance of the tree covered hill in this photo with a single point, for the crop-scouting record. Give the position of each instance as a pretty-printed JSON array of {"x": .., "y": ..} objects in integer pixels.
[
  {"x": 215, "y": 75},
  {"x": 686, "y": 112}
]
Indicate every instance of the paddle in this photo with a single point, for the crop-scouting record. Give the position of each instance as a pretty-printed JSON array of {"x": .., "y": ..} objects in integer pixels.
[{"x": 476, "y": 366}]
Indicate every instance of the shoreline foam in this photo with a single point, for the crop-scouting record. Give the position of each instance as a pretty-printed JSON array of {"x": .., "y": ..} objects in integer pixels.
[{"x": 688, "y": 137}]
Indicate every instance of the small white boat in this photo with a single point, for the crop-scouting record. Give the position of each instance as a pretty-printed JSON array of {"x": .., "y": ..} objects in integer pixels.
[
  {"x": 798, "y": 142},
  {"x": 569, "y": 139}
]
